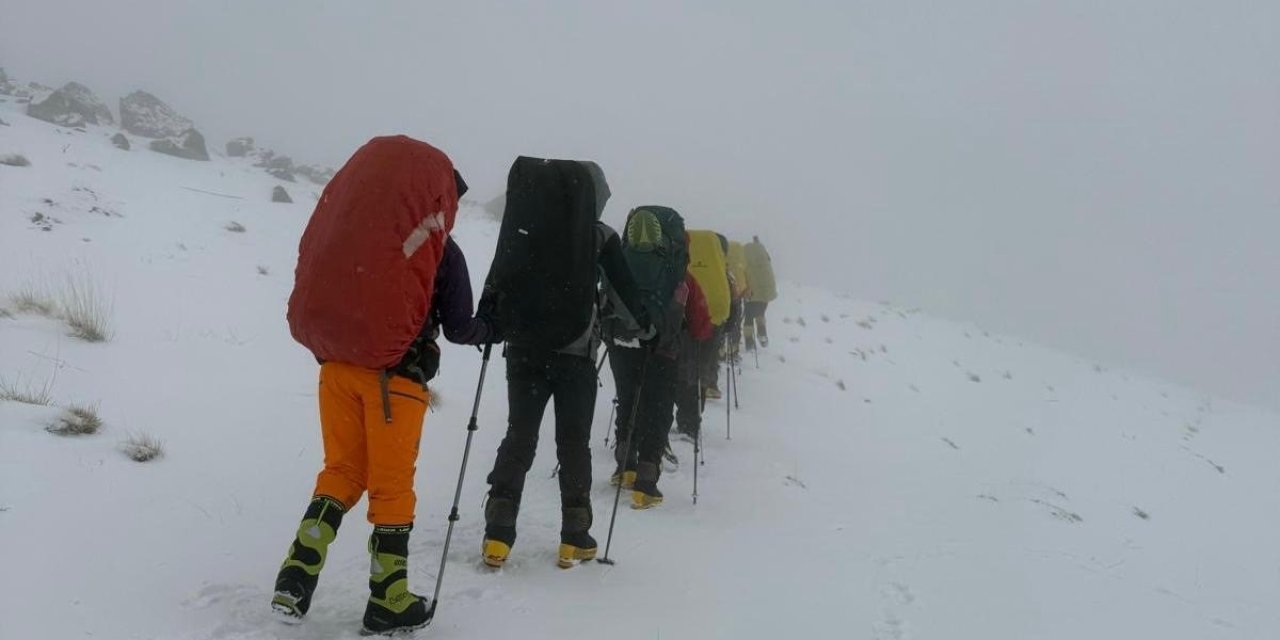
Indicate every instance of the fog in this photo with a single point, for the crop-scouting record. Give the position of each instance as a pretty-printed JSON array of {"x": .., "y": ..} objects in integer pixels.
[{"x": 1098, "y": 176}]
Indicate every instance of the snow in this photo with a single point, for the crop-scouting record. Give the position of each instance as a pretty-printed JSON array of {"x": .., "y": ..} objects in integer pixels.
[{"x": 890, "y": 475}]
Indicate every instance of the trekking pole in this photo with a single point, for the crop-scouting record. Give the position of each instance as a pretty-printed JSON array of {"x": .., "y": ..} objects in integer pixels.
[
  {"x": 600, "y": 367},
  {"x": 609, "y": 430},
  {"x": 733, "y": 379},
  {"x": 626, "y": 456},
  {"x": 472, "y": 427},
  {"x": 728, "y": 406},
  {"x": 697, "y": 461}
]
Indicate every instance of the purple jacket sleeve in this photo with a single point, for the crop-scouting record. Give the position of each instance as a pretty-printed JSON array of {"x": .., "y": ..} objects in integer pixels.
[{"x": 451, "y": 304}]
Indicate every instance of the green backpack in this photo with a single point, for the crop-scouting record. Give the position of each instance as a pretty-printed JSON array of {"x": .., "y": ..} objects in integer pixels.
[{"x": 657, "y": 252}]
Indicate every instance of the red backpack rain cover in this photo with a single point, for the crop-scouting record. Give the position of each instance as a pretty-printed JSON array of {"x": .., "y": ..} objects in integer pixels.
[{"x": 368, "y": 258}]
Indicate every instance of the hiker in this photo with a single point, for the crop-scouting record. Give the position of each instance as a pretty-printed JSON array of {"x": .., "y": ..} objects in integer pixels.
[
  {"x": 656, "y": 247},
  {"x": 736, "y": 269},
  {"x": 762, "y": 289},
  {"x": 377, "y": 278},
  {"x": 543, "y": 285},
  {"x": 707, "y": 264},
  {"x": 696, "y": 337}
]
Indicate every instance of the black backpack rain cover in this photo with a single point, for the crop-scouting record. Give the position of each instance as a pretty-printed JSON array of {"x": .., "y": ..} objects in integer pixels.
[{"x": 544, "y": 268}]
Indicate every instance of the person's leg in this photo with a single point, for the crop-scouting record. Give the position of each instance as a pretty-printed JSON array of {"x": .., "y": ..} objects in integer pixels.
[
  {"x": 711, "y": 363},
  {"x": 657, "y": 403},
  {"x": 528, "y": 390},
  {"x": 393, "y": 447},
  {"x": 762, "y": 325},
  {"x": 626, "y": 364},
  {"x": 344, "y": 477},
  {"x": 752, "y": 312},
  {"x": 338, "y": 487},
  {"x": 393, "y": 463},
  {"x": 574, "y": 389}
]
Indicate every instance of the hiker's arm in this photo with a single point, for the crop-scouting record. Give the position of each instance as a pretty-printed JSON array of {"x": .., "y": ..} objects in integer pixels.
[
  {"x": 453, "y": 300},
  {"x": 616, "y": 270}
]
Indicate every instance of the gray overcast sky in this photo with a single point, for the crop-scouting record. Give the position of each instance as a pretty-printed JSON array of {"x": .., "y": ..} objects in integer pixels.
[{"x": 1103, "y": 176}]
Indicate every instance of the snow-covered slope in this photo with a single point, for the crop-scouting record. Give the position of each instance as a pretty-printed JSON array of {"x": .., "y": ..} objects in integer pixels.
[{"x": 890, "y": 475}]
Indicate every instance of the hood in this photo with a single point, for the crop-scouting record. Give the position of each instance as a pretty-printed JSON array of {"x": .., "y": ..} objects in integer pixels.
[{"x": 601, "y": 185}]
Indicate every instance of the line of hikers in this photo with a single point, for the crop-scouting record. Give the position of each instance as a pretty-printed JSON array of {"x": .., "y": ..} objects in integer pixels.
[{"x": 379, "y": 279}]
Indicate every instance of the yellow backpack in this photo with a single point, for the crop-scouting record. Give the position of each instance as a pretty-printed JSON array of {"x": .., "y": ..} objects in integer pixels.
[
  {"x": 707, "y": 264},
  {"x": 738, "y": 267}
]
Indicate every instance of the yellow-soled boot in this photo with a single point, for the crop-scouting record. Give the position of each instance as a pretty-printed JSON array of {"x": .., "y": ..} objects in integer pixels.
[
  {"x": 576, "y": 543},
  {"x": 496, "y": 553},
  {"x": 499, "y": 530},
  {"x": 627, "y": 478},
  {"x": 645, "y": 494}
]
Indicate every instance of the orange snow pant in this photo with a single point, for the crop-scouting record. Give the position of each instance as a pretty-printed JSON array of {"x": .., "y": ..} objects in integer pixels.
[{"x": 363, "y": 450}]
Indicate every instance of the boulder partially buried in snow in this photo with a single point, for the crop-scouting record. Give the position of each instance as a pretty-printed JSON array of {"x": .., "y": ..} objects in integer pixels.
[
  {"x": 240, "y": 147},
  {"x": 279, "y": 166},
  {"x": 120, "y": 141},
  {"x": 278, "y": 194},
  {"x": 143, "y": 114},
  {"x": 73, "y": 105},
  {"x": 189, "y": 145},
  {"x": 315, "y": 173}
]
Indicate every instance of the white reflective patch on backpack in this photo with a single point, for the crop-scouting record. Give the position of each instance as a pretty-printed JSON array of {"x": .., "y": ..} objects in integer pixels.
[{"x": 419, "y": 235}]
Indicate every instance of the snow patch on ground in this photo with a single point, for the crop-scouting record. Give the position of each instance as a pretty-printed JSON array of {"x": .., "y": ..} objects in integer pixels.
[{"x": 890, "y": 476}]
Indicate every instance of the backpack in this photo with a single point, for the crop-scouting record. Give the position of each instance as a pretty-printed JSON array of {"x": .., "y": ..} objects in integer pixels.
[
  {"x": 760, "y": 273},
  {"x": 707, "y": 265},
  {"x": 657, "y": 252},
  {"x": 737, "y": 260},
  {"x": 543, "y": 275},
  {"x": 367, "y": 260}
]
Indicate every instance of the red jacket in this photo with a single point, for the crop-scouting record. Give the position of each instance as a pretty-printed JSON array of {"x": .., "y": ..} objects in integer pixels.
[{"x": 697, "y": 318}]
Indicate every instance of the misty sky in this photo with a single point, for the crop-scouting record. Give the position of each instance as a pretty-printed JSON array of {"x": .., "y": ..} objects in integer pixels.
[{"x": 1100, "y": 176}]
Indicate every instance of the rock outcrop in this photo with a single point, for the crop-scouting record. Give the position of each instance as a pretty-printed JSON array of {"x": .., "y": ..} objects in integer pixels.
[
  {"x": 189, "y": 145},
  {"x": 240, "y": 147},
  {"x": 74, "y": 105},
  {"x": 143, "y": 114}
]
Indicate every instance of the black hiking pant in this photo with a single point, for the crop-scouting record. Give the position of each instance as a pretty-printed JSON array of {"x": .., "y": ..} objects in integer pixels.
[
  {"x": 755, "y": 320},
  {"x": 688, "y": 392},
  {"x": 533, "y": 378},
  {"x": 710, "y": 358},
  {"x": 656, "y": 401}
]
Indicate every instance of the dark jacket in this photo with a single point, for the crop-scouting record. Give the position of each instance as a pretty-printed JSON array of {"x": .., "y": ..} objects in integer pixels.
[
  {"x": 616, "y": 282},
  {"x": 451, "y": 310}
]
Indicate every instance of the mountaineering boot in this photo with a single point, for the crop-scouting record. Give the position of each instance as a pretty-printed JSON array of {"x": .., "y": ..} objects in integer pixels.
[
  {"x": 627, "y": 478},
  {"x": 499, "y": 530},
  {"x": 576, "y": 543},
  {"x": 645, "y": 494},
  {"x": 711, "y": 393},
  {"x": 392, "y": 608},
  {"x": 301, "y": 569}
]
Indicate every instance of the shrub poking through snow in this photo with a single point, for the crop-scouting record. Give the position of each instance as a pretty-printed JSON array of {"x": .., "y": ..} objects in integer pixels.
[
  {"x": 26, "y": 393},
  {"x": 15, "y": 160},
  {"x": 263, "y": 270},
  {"x": 76, "y": 420},
  {"x": 31, "y": 299},
  {"x": 234, "y": 227},
  {"x": 84, "y": 308},
  {"x": 77, "y": 301},
  {"x": 142, "y": 447}
]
